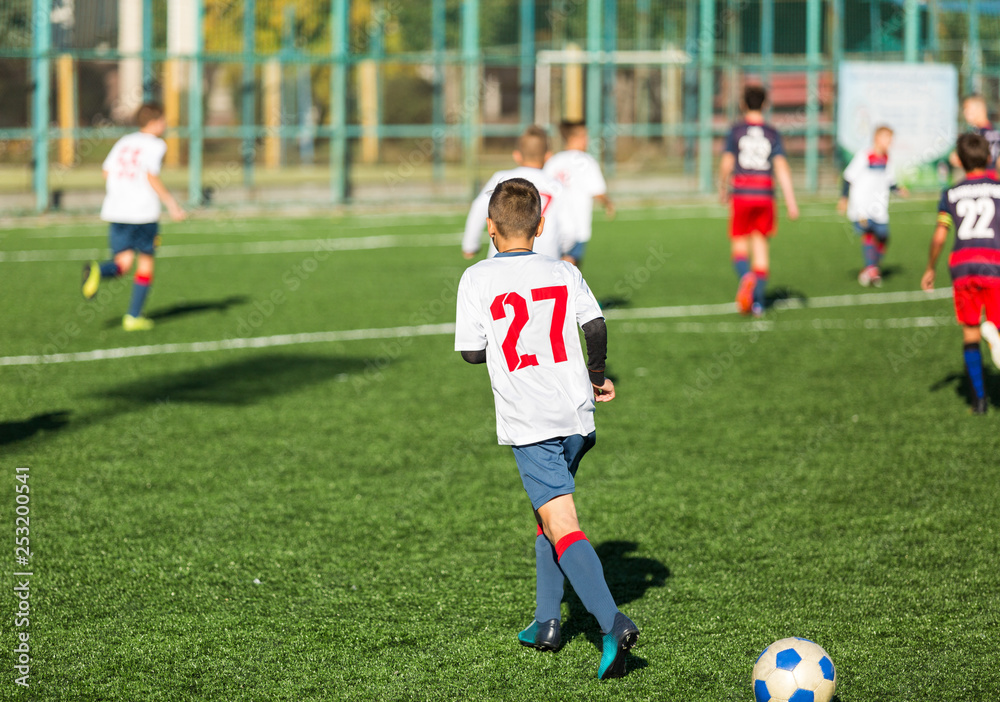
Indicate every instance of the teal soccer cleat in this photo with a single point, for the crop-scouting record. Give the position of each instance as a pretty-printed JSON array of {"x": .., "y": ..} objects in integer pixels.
[
  {"x": 541, "y": 635},
  {"x": 617, "y": 642}
]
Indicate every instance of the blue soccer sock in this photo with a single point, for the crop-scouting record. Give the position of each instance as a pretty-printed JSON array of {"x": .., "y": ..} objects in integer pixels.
[
  {"x": 549, "y": 580},
  {"x": 760, "y": 289},
  {"x": 110, "y": 269},
  {"x": 140, "y": 288},
  {"x": 741, "y": 265},
  {"x": 974, "y": 367},
  {"x": 869, "y": 250},
  {"x": 579, "y": 561},
  {"x": 880, "y": 250}
]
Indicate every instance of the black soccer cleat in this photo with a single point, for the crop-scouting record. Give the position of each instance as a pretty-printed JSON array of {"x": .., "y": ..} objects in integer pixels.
[
  {"x": 541, "y": 635},
  {"x": 617, "y": 643},
  {"x": 980, "y": 405}
]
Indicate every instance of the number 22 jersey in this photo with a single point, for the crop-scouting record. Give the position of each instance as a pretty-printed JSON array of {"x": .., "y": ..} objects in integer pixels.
[
  {"x": 973, "y": 207},
  {"x": 755, "y": 146},
  {"x": 524, "y": 309}
]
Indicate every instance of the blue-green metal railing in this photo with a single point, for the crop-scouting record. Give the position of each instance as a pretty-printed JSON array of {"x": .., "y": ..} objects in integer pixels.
[{"x": 605, "y": 26}]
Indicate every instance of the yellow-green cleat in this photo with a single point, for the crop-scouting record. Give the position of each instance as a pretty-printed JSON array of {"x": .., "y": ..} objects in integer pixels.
[
  {"x": 91, "y": 279},
  {"x": 130, "y": 323}
]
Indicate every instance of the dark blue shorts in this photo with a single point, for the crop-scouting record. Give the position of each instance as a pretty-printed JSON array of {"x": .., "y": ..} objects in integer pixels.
[
  {"x": 138, "y": 237},
  {"x": 879, "y": 229},
  {"x": 579, "y": 248},
  {"x": 548, "y": 467}
]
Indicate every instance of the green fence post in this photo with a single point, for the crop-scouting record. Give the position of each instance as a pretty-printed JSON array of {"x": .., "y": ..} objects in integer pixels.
[
  {"x": 470, "y": 59},
  {"x": 527, "y": 77},
  {"x": 41, "y": 46},
  {"x": 609, "y": 70},
  {"x": 148, "y": 75},
  {"x": 593, "y": 116},
  {"x": 248, "y": 115},
  {"x": 438, "y": 46},
  {"x": 912, "y": 30},
  {"x": 706, "y": 94},
  {"x": 813, "y": 25},
  {"x": 767, "y": 41},
  {"x": 691, "y": 47},
  {"x": 875, "y": 25},
  {"x": 196, "y": 111},
  {"x": 932, "y": 29},
  {"x": 975, "y": 49},
  {"x": 338, "y": 100}
]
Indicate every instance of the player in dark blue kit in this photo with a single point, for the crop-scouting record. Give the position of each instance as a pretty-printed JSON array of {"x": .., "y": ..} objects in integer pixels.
[
  {"x": 977, "y": 116},
  {"x": 753, "y": 158},
  {"x": 972, "y": 207}
]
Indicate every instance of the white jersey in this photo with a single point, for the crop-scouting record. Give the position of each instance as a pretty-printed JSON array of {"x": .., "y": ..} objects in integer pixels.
[
  {"x": 871, "y": 178},
  {"x": 557, "y": 235},
  {"x": 130, "y": 199},
  {"x": 524, "y": 309},
  {"x": 581, "y": 176}
]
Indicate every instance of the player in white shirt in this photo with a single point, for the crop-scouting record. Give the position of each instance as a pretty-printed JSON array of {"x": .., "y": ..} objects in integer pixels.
[
  {"x": 580, "y": 175},
  {"x": 868, "y": 180},
  {"x": 518, "y": 312},
  {"x": 532, "y": 150},
  {"x": 132, "y": 209}
]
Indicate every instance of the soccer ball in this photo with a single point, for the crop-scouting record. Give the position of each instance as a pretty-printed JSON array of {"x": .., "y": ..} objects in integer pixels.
[{"x": 794, "y": 670}]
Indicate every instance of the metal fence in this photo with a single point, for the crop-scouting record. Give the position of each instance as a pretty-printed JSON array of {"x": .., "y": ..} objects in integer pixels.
[{"x": 328, "y": 100}]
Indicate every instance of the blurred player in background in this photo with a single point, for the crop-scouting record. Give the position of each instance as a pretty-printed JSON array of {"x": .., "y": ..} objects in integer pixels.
[
  {"x": 581, "y": 176},
  {"x": 519, "y": 313},
  {"x": 530, "y": 156},
  {"x": 753, "y": 158},
  {"x": 868, "y": 181},
  {"x": 132, "y": 207},
  {"x": 977, "y": 116},
  {"x": 972, "y": 208}
]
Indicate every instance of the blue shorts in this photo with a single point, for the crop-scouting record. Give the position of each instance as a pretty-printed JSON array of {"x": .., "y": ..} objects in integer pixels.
[
  {"x": 879, "y": 229},
  {"x": 547, "y": 468},
  {"x": 140, "y": 237},
  {"x": 579, "y": 248}
]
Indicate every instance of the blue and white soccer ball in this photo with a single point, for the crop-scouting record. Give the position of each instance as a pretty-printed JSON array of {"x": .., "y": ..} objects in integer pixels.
[{"x": 794, "y": 670}]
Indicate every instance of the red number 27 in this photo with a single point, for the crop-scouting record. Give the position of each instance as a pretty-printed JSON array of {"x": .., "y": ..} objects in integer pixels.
[{"x": 558, "y": 294}]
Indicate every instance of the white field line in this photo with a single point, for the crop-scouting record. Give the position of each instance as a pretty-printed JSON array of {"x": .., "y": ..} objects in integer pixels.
[
  {"x": 449, "y": 328},
  {"x": 315, "y": 245}
]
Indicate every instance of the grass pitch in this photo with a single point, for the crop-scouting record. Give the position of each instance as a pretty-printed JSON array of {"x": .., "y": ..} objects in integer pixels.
[{"x": 334, "y": 520}]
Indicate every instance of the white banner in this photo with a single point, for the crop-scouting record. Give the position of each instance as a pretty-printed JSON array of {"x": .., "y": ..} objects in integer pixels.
[{"x": 919, "y": 101}]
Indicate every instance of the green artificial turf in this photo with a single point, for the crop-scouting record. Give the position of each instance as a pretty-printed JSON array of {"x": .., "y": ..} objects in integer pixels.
[{"x": 334, "y": 521}]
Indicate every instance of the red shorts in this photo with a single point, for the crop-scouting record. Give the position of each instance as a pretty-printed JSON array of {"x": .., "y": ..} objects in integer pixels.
[
  {"x": 971, "y": 298},
  {"x": 752, "y": 216}
]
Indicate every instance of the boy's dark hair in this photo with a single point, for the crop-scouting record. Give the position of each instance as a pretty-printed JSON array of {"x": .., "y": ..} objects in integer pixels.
[
  {"x": 533, "y": 144},
  {"x": 569, "y": 126},
  {"x": 973, "y": 151},
  {"x": 147, "y": 112},
  {"x": 754, "y": 96},
  {"x": 515, "y": 208}
]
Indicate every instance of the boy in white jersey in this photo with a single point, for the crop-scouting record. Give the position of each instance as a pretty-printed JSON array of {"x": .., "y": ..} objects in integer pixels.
[
  {"x": 530, "y": 155},
  {"x": 868, "y": 181},
  {"x": 581, "y": 176},
  {"x": 518, "y": 312},
  {"x": 132, "y": 207}
]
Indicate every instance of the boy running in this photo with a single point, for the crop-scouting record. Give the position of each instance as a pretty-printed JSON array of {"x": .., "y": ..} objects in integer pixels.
[
  {"x": 868, "y": 181},
  {"x": 518, "y": 312},
  {"x": 581, "y": 176},
  {"x": 977, "y": 117},
  {"x": 530, "y": 155},
  {"x": 972, "y": 207},
  {"x": 753, "y": 157},
  {"x": 132, "y": 207}
]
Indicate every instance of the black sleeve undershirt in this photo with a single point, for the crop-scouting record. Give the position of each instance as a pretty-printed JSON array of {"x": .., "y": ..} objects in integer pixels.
[
  {"x": 595, "y": 333},
  {"x": 845, "y": 188},
  {"x": 474, "y": 356}
]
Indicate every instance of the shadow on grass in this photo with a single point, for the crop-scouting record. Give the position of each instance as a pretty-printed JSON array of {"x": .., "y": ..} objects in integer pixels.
[
  {"x": 240, "y": 382},
  {"x": 960, "y": 382},
  {"x": 628, "y": 578},
  {"x": 782, "y": 293},
  {"x": 183, "y": 309},
  {"x": 12, "y": 432},
  {"x": 610, "y": 303}
]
